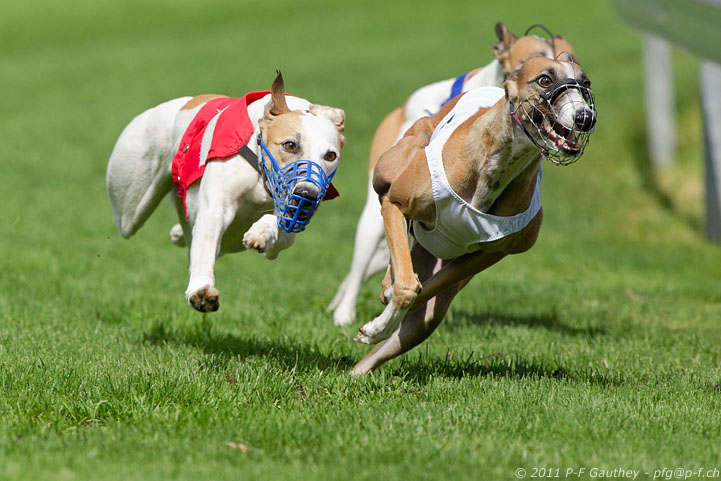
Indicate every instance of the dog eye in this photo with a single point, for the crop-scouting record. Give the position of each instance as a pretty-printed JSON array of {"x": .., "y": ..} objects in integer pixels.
[
  {"x": 586, "y": 92},
  {"x": 330, "y": 156},
  {"x": 544, "y": 81},
  {"x": 290, "y": 146}
]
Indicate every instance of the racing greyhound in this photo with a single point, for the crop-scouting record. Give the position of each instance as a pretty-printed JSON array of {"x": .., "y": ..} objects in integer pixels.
[
  {"x": 370, "y": 252},
  {"x": 464, "y": 185}
]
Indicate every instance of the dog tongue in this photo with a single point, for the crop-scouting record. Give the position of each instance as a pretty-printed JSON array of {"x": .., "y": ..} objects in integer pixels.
[{"x": 331, "y": 193}]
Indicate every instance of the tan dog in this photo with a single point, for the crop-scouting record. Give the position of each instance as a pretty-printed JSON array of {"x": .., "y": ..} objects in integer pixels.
[
  {"x": 370, "y": 253},
  {"x": 490, "y": 159}
]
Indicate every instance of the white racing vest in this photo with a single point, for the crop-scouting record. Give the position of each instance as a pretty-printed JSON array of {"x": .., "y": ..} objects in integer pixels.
[{"x": 459, "y": 227}]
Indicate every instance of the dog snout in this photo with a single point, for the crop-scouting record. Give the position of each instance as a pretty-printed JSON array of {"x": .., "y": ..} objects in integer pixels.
[
  {"x": 585, "y": 120},
  {"x": 307, "y": 191}
]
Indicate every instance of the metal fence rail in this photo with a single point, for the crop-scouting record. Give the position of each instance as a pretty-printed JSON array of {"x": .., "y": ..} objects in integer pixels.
[{"x": 694, "y": 25}]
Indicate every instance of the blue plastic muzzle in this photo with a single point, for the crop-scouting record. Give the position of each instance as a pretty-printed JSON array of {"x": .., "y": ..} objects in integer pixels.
[{"x": 292, "y": 210}]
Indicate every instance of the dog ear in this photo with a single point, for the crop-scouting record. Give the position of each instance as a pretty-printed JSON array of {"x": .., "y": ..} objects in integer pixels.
[
  {"x": 511, "y": 86},
  {"x": 564, "y": 50},
  {"x": 277, "y": 104},
  {"x": 506, "y": 40},
  {"x": 337, "y": 116}
]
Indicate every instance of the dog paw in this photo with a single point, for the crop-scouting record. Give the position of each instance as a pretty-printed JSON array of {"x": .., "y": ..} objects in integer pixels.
[
  {"x": 259, "y": 237},
  {"x": 177, "y": 236},
  {"x": 343, "y": 315},
  {"x": 375, "y": 331},
  {"x": 372, "y": 337},
  {"x": 382, "y": 327},
  {"x": 205, "y": 299}
]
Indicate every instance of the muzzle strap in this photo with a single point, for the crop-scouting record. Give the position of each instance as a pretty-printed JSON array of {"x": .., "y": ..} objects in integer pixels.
[
  {"x": 251, "y": 157},
  {"x": 550, "y": 35},
  {"x": 560, "y": 86},
  {"x": 523, "y": 127}
]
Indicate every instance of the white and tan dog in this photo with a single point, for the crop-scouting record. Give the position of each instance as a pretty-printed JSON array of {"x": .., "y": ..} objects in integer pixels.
[
  {"x": 227, "y": 208},
  {"x": 465, "y": 184},
  {"x": 370, "y": 253}
]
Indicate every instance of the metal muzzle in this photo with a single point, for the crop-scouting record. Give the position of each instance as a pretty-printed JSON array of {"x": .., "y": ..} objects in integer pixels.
[
  {"x": 297, "y": 189},
  {"x": 561, "y": 143}
]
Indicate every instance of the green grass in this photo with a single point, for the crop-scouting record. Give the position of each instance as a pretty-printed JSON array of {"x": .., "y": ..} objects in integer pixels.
[{"x": 598, "y": 348}]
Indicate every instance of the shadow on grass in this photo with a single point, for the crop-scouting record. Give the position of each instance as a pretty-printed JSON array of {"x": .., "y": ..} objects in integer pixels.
[
  {"x": 549, "y": 322},
  {"x": 226, "y": 346},
  {"x": 419, "y": 369},
  {"x": 422, "y": 368}
]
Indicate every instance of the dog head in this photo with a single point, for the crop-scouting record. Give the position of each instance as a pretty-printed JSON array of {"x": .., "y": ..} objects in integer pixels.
[
  {"x": 512, "y": 51},
  {"x": 304, "y": 152},
  {"x": 553, "y": 103}
]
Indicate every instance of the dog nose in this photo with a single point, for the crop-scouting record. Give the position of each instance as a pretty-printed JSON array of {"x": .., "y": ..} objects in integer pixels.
[
  {"x": 307, "y": 191},
  {"x": 585, "y": 120}
]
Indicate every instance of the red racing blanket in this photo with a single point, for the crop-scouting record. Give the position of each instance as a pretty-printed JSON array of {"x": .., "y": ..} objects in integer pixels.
[{"x": 231, "y": 130}]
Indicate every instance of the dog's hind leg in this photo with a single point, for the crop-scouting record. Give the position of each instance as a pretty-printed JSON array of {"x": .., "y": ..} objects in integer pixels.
[
  {"x": 138, "y": 174},
  {"x": 369, "y": 252},
  {"x": 181, "y": 233},
  {"x": 379, "y": 261},
  {"x": 369, "y": 245}
]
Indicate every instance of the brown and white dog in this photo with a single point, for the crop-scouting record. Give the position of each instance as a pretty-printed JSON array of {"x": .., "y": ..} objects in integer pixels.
[
  {"x": 491, "y": 161},
  {"x": 227, "y": 208},
  {"x": 370, "y": 253}
]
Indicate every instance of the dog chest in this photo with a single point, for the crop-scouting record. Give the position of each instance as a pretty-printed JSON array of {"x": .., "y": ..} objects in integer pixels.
[{"x": 459, "y": 227}]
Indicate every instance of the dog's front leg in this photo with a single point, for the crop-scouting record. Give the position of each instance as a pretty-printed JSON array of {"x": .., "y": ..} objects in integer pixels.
[
  {"x": 415, "y": 327},
  {"x": 265, "y": 237},
  {"x": 406, "y": 285},
  {"x": 458, "y": 270},
  {"x": 207, "y": 232}
]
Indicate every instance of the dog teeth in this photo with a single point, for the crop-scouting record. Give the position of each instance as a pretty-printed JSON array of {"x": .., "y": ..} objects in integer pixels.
[{"x": 558, "y": 139}]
